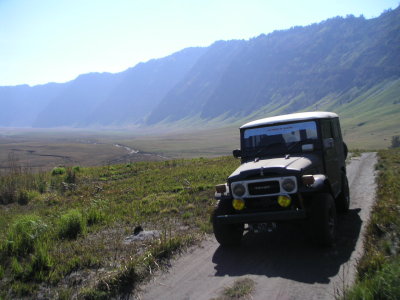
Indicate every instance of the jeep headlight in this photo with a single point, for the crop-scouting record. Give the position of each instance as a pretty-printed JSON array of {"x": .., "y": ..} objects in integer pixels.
[
  {"x": 239, "y": 189},
  {"x": 288, "y": 185}
]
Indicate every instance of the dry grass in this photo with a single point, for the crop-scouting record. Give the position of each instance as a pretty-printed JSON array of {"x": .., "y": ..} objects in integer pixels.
[{"x": 241, "y": 289}]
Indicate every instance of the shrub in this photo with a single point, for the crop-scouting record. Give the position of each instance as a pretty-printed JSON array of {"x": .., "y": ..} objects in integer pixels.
[
  {"x": 16, "y": 268},
  {"x": 58, "y": 171},
  {"x": 23, "y": 234},
  {"x": 1, "y": 272},
  {"x": 71, "y": 176},
  {"x": 94, "y": 216},
  {"x": 383, "y": 284},
  {"x": 71, "y": 224},
  {"x": 41, "y": 261},
  {"x": 395, "y": 141},
  {"x": 25, "y": 196},
  {"x": 42, "y": 187},
  {"x": 8, "y": 189}
]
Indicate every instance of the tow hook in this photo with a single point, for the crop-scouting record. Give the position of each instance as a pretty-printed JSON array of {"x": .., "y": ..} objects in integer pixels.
[{"x": 262, "y": 227}]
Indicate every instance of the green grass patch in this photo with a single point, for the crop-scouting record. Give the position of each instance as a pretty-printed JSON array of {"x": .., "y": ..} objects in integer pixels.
[
  {"x": 379, "y": 268},
  {"x": 72, "y": 232},
  {"x": 71, "y": 224},
  {"x": 58, "y": 171},
  {"x": 24, "y": 234}
]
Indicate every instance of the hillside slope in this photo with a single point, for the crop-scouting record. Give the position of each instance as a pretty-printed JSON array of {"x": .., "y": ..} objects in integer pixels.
[
  {"x": 126, "y": 97},
  {"x": 290, "y": 70}
]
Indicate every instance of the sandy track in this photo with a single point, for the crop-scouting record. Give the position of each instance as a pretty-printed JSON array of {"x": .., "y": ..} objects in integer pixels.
[{"x": 284, "y": 264}]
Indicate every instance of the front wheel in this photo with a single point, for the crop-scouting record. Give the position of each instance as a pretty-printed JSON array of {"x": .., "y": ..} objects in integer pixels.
[
  {"x": 226, "y": 234},
  {"x": 323, "y": 219}
]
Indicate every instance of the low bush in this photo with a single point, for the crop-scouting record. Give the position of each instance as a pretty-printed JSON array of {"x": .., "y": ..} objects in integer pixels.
[
  {"x": 23, "y": 234},
  {"x": 395, "y": 141},
  {"x": 383, "y": 284},
  {"x": 71, "y": 224},
  {"x": 16, "y": 268},
  {"x": 41, "y": 263},
  {"x": 58, "y": 171},
  {"x": 42, "y": 186},
  {"x": 71, "y": 176},
  {"x": 8, "y": 189},
  {"x": 94, "y": 216},
  {"x": 25, "y": 196},
  {"x": 378, "y": 271}
]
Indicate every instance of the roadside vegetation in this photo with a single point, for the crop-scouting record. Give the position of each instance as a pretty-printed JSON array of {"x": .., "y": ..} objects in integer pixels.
[
  {"x": 379, "y": 269},
  {"x": 241, "y": 289},
  {"x": 65, "y": 233}
]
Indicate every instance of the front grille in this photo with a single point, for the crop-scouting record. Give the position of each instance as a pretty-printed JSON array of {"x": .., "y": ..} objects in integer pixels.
[
  {"x": 264, "y": 203},
  {"x": 264, "y": 188}
]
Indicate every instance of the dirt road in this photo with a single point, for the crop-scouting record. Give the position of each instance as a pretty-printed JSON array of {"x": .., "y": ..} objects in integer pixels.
[{"x": 284, "y": 264}]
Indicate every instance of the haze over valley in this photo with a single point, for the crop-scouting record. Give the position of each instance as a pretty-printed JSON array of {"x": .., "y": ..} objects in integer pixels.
[{"x": 349, "y": 65}]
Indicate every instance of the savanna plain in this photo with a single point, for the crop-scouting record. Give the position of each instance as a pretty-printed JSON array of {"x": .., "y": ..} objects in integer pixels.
[{"x": 71, "y": 201}]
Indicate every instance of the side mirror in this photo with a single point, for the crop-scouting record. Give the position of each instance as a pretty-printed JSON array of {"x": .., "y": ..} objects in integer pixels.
[
  {"x": 329, "y": 143},
  {"x": 237, "y": 153}
]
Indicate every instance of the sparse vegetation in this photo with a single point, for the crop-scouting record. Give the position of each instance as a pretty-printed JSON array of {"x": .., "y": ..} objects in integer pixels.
[
  {"x": 379, "y": 268},
  {"x": 58, "y": 171},
  {"x": 241, "y": 289},
  {"x": 395, "y": 141},
  {"x": 74, "y": 233},
  {"x": 71, "y": 224}
]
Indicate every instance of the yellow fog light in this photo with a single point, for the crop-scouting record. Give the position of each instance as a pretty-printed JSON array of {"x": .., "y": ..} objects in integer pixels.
[
  {"x": 238, "y": 204},
  {"x": 284, "y": 201}
]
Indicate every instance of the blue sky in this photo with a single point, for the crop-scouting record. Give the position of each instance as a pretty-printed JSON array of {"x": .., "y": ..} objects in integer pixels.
[{"x": 56, "y": 40}]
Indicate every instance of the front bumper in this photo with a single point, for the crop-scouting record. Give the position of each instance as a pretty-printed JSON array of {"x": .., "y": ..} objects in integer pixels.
[{"x": 273, "y": 216}]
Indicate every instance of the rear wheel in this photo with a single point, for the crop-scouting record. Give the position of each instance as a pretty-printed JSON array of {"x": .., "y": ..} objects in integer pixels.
[
  {"x": 226, "y": 234},
  {"x": 323, "y": 219},
  {"x": 343, "y": 200}
]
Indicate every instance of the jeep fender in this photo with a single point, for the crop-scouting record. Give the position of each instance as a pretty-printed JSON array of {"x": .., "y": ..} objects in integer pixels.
[
  {"x": 321, "y": 183},
  {"x": 223, "y": 195}
]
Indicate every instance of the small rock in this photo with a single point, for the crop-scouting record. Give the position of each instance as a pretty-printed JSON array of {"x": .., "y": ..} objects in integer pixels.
[{"x": 142, "y": 236}]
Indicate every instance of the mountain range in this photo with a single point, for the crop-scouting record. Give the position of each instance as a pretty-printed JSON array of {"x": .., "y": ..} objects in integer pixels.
[{"x": 349, "y": 64}]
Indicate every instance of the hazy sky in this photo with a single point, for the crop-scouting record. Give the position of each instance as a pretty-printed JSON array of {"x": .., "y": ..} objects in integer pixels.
[{"x": 56, "y": 40}]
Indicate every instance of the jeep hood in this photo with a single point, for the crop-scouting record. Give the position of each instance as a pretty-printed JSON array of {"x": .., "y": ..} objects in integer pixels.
[{"x": 275, "y": 167}]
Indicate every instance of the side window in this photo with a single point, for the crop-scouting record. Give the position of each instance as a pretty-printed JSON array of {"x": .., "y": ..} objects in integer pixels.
[
  {"x": 326, "y": 129},
  {"x": 336, "y": 129}
]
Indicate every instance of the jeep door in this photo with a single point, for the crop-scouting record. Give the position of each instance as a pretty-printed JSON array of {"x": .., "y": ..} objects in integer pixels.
[{"x": 332, "y": 154}]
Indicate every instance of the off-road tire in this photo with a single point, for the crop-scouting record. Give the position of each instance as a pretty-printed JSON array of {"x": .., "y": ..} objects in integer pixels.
[
  {"x": 323, "y": 219},
  {"x": 343, "y": 200},
  {"x": 226, "y": 234}
]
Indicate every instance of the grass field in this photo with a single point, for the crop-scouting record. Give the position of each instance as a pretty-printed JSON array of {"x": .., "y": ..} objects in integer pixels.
[
  {"x": 379, "y": 268},
  {"x": 64, "y": 232}
]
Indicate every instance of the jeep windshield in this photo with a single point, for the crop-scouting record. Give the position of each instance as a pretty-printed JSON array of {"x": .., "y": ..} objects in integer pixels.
[{"x": 279, "y": 139}]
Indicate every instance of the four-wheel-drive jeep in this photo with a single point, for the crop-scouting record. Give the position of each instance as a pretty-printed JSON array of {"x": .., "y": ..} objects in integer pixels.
[{"x": 292, "y": 169}]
